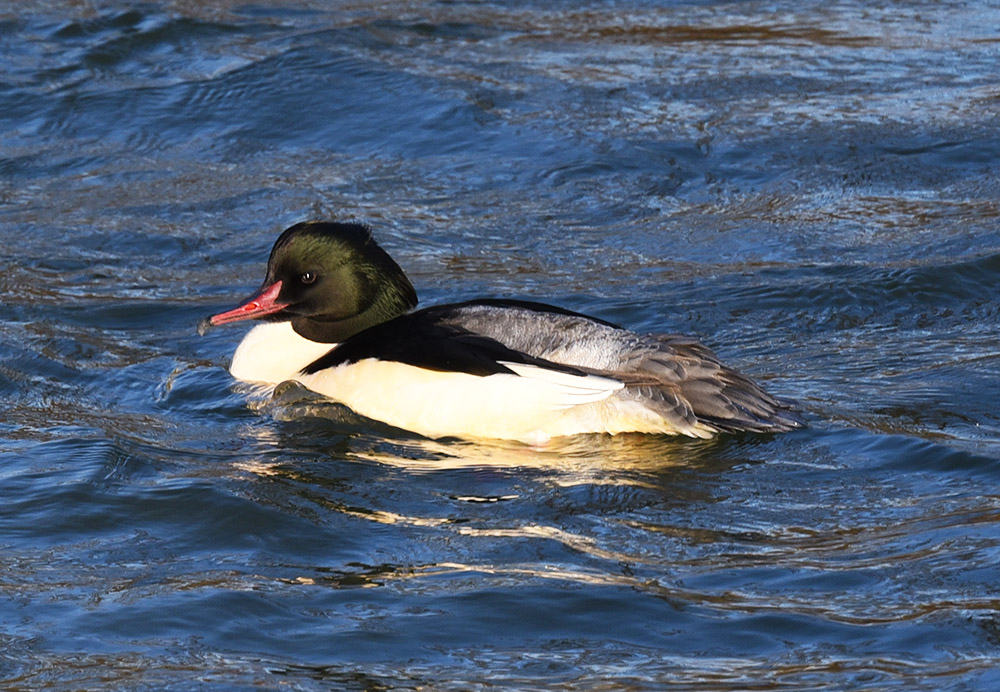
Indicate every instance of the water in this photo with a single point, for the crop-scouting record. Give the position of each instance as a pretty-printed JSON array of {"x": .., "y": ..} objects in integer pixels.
[{"x": 811, "y": 188}]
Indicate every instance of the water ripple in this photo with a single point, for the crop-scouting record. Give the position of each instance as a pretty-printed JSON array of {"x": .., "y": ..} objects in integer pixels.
[{"x": 806, "y": 188}]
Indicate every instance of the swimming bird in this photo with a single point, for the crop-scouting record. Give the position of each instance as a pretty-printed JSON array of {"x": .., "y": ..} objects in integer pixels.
[{"x": 338, "y": 316}]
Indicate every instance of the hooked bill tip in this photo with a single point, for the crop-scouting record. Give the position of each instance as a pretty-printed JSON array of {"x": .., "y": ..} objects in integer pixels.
[{"x": 204, "y": 325}]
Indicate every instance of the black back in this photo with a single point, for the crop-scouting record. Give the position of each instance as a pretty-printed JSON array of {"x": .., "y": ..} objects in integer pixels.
[{"x": 431, "y": 339}]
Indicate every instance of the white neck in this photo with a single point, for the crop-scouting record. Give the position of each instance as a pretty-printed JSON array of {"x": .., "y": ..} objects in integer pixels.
[{"x": 273, "y": 352}]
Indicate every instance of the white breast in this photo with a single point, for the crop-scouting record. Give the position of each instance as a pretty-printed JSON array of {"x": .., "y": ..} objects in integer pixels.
[{"x": 272, "y": 352}]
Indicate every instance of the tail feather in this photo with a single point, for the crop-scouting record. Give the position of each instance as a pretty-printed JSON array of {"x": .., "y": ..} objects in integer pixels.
[{"x": 687, "y": 383}]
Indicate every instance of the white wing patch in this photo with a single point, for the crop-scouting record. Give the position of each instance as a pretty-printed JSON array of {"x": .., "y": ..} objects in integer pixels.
[{"x": 570, "y": 390}]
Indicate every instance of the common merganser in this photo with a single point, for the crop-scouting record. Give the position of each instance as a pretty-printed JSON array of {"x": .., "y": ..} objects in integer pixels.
[{"x": 338, "y": 317}]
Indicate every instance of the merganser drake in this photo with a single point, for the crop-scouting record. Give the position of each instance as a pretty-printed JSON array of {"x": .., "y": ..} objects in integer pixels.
[{"x": 338, "y": 317}]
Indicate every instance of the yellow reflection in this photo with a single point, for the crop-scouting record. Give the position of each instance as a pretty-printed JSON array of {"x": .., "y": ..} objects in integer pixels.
[{"x": 579, "y": 459}]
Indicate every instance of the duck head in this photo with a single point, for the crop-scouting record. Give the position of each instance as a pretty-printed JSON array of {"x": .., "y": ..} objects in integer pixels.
[{"x": 331, "y": 280}]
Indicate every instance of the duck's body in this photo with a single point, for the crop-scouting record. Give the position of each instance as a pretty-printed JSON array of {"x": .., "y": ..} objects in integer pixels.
[{"x": 488, "y": 368}]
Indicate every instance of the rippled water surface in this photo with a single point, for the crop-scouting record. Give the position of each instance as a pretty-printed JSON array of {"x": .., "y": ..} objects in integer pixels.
[{"x": 811, "y": 188}]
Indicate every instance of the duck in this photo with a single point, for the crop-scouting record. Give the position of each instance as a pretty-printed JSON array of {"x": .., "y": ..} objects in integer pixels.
[{"x": 338, "y": 315}]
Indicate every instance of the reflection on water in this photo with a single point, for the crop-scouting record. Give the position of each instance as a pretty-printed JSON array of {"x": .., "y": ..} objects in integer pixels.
[
  {"x": 809, "y": 189},
  {"x": 310, "y": 415}
]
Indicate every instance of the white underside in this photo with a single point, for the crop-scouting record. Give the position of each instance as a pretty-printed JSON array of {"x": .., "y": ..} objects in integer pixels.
[{"x": 532, "y": 406}]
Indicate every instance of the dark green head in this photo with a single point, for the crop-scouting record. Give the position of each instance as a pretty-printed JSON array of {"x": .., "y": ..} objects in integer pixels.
[{"x": 331, "y": 280}]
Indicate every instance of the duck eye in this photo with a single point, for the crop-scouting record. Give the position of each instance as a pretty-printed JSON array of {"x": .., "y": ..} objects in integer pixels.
[{"x": 307, "y": 277}]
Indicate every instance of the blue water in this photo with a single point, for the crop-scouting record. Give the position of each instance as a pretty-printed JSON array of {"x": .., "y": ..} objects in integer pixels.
[{"x": 811, "y": 188}]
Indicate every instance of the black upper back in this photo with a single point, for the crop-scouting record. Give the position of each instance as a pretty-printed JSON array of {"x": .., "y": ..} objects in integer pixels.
[{"x": 431, "y": 339}]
